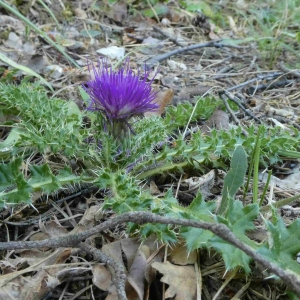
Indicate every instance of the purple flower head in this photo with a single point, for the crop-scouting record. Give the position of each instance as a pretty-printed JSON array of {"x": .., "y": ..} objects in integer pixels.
[{"x": 120, "y": 94}]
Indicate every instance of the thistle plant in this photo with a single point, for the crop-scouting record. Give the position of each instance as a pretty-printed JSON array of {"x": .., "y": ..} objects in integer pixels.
[
  {"x": 54, "y": 128},
  {"x": 119, "y": 96}
]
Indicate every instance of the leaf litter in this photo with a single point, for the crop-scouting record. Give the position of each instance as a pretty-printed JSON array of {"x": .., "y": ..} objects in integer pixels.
[{"x": 115, "y": 30}]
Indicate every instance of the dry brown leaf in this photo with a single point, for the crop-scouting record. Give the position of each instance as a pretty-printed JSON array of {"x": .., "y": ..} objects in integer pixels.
[
  {"x": 101, "y": 277},
  {"x": 53, "y": 229},
  {"x": 114, "y": 251},
  {"x": 232, "y": 24},
  {"x": 212, "y": 34},
  {"x": 153, "y": 189},
  {"x": 27, "y": 287},
  {"x": 39, "y": 236},
  {"x": 88, "y": 220},
  {"x": 139, "y": 270},
  {"x": 163, "y": 99},
  {"x": 120, "y": 11},
  {"x": 181, "y": 280},
  {"x": 219, "y": 120},
  {"x": 33, "y": 287},
  {"x": 188, "y": 92},
  {"x": 180, "y": 256},
  {"x": 31, "y": 257},
  {"x": 80, "y": 13},
  {"x": 203, "y": 184},
  {"x": 136, "y": 276}
]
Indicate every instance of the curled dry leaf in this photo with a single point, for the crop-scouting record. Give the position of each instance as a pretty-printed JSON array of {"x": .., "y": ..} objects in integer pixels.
[
  {"x": 153, "y": 189},
  {"x": 181, "y": 280},
  {"x": 136, "y": 276},
  {"x": 140, "y": 273},
  {"x": 202, "y": 184},
  {"x": 163, "y": 99},
  {"x": 102, "y": 279}
]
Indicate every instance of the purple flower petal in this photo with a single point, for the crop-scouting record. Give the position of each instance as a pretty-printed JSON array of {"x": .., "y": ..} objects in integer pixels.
[{"x": 119, "y": 94}]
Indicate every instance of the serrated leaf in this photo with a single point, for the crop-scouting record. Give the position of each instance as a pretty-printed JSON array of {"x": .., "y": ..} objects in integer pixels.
[
  {"x": 49, "y": 125},
  {"x": 199, "y": 205},
  {"x": 19, "y": 195},
  {"x": 233, "y": 257},
  {"x": 238, "y": 219},
  {"x": 196, "y": 238},
  {"x": 13, "y": 187},
  {"x": 8, "y": 173},
  {"x": 43, "y": 177},
  {"x": 283, "y": 244},
  {"x": 234, "y": 179},
  {"x": 161, "y": 231},
  {"x": 198, "y": 210}
]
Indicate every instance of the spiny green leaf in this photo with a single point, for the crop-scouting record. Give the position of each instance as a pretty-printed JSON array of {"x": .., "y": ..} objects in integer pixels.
[
  {"x": 43, "y": 174},
  {"x": 161, "y": 231},
  {"x": 9, "y": 172},
  {"x": 198, "y": 210},
  {"x": 233, "y": 257},
  {"x": 238, "y": 219},
  {"x": 13, "y": 187},
  {"x": 283, "y": 244},
  {"x": 49, "y": 125},
  {"x": 19, "y": 195}
]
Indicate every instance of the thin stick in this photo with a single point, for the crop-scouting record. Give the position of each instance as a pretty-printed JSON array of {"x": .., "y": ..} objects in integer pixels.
[{"x": 219, "y": 229}]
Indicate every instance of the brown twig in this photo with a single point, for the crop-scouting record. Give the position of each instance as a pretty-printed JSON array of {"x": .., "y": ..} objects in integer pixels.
[
  {"x": 168, "y": 36},
  {"x": 283, "y": 68},
  {"x": 120, "y": 276},
  {"x": 236, "y": 120},
  {"x": 161, "y": 57},
  {"x": 237, "y": 101},
  {"x": 219, "y": 229},
  {"x": 265, "y": 77}
]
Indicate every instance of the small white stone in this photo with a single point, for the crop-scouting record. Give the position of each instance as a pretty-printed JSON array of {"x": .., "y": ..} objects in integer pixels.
[
  {"x": 54, "y": 71},
  {"x": 112, "y": 52},
  {"x": 165, "y": 22}
]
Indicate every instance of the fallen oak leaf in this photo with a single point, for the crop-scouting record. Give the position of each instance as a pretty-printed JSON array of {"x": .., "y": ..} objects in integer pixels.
[{"x": 181, "y": 280}]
